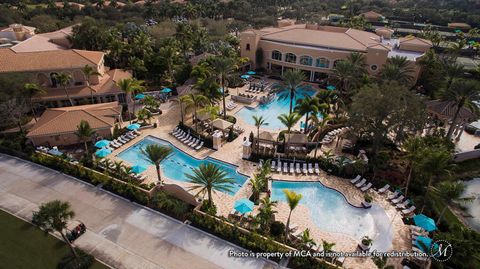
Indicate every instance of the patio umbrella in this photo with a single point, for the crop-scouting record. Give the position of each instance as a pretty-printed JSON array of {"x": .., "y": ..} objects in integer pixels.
[
  {"x": 245, "y": 76},
  {"x": 133, "y": 126},
  {"x": 55, "y": 152},
  {"x": 140, "y": 96},
  {"x": 423, "y": 242},
  {"x": 102, "y": 143},
  {"x": 331, "y": 87},
  {"x": 243, "y": 205},
  {"x": 425, "y": 222},
  {"x": 102, "y": 152},
  {"x": 251, "y": 72},
  {"x": 138, "y": 168},
  {"x": 166, "y": 90}
]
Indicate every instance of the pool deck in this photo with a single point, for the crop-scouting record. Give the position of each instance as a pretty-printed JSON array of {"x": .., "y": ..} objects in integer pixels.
[{"x": 232, "y": 153}]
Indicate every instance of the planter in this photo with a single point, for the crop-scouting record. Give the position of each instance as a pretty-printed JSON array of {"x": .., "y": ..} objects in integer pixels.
[
  {"x": 364, "y": 247},
  {"x": 366, "y": 204},
  {"x": 243, "y": 99}
]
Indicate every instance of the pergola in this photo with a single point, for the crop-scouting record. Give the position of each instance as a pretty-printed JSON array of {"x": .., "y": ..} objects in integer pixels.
[
  {"x": 445, "y": 111},
  {"x": 221, "y": 124},
  {"x": 295, "y": 141}
]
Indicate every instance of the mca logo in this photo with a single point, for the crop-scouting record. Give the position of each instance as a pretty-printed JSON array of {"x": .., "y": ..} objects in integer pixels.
[{"x": 441, "y": 250}]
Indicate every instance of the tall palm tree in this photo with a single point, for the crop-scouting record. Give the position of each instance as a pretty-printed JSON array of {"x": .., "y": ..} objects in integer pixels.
[
  {"x": 223, "y": 67},
  {"x": 32, "y": 90},
  {"x": 208, "y": 178},
  {"x": 259, "y": 122},
  {"x": 306, "y": 242},
  {"x": 293, "y": 199},
  {"x": 84, "y": 133},
  {"x": 349, "y": 72},
  {"x": 292, "y": 82},
  {"x": 450, "y": 192},
  {"x": 398, "y": 69},
  {"x": 130, "y": 86},
  {"x": 194, "y": 101},
  {"x": 463, "y": 93},
  {"x": 413, "y": 147},
  {"x": 155, "y": 154},
  {"x": 54, "y": 216},
  {"x": 64, "y": 80},
  {"x": 319, "y": 124},
  {"x": 289, "y": 120},
  {"x": 451, "y": 70},
  {"x": 266, "y": 213},
  {"x": 89, "y": 71},
  {"x": 309, "y": 105}
]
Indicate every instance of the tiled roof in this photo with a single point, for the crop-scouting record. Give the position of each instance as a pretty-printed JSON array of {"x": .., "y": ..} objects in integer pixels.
[
  {"x": 36, "y": 43},
  {"x": 371, "y": 14},
  {"x": 415, "y": 40},
  {"x": 447, "y": 109},
  {"x": 63, "y": 120}
]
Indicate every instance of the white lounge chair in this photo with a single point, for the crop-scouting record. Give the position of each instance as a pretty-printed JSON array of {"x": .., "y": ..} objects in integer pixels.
[
  {"x": 126, "y": 138},
  {"x": 398, "y": 199},
  {"x": 179, "y": 134},
  {"x": 304, "y": 168},
  {"x": 393, "y": 195},
  {"x": 186, "y": 138},
  {"x": 292, "y": 169},
  {"x": 297, "y": 168},
  {"x": 416, "y": 228},
  {"x": 122, "y": 140},
  {"x": 409, "y": 210},
  {"x": 317, "y": 169},
  {"x": 193, "y": 143},
  {"x": 403, "y": 205},
  {"x": 366, "y": 187},
  {"x": 292, "y": 227},
  {"x": 356, "y": 179},
  {"x": 310, "y": 168},
  {"x": 199, "y": 146},
  {"x": 272, "y": 167},
  {"x": 383, "y": 189},
  {"x": 117, "y": 142},
  {"x": 360, "y": 184}
]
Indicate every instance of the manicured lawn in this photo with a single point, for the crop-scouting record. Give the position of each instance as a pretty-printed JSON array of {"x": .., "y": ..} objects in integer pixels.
[{"x": 22, "y": 245}]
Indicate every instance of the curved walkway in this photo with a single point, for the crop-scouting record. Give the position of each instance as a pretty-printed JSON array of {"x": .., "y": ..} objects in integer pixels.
[{"x": 120, "y": 233}]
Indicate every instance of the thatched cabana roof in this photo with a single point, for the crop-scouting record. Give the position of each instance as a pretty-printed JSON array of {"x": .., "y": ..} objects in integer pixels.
[
  {"x": 221, "y": 124},
  {"x": 296, "y": 138},
  {"x": 264, "y": 135}
]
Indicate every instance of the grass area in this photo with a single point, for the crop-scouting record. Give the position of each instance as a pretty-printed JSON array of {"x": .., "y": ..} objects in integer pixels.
[{"x": 22, "y": 245}]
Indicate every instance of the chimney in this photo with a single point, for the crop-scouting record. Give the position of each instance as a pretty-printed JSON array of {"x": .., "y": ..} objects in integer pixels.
[{"x": 18, "y": 31}]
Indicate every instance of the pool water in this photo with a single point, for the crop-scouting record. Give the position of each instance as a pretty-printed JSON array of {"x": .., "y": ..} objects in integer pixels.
[
  {"x": 472, "y": 189},
  {"x": 179, "y": 163},
  {"x": 273, "y": 109},
  {"x": 332, "y": 213}
]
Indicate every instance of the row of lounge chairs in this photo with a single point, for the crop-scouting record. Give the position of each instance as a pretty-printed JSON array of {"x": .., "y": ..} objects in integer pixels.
[
  {"x": 102, "y": 164},
  {"x": 291, "y": 167},
  {"x": 361, "y": 183},
  {"x": 256, "y": 88},
  {"x": 187, "y": 139},
  {"x": 122, "y": 140},
  {"x": 231, "y": 105},
  {"x": 401, "y": 203},
  {"x": 416, "y": 231}
]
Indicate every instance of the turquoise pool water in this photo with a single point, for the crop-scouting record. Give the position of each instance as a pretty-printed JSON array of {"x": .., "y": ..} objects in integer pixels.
[
  {"x": 178, "y": 163},
  {"x": 272, "y": 110},
  {"x": 332, "y": 213}
]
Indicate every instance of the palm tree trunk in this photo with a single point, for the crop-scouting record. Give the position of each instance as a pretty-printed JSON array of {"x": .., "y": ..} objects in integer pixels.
[
  {"x": 258, "y": 139},
  {"x": 441, "y": 214},
  {"x": 454, "y": 120},
  {"x": 195, "y": 122},
  {"x": 91, "y": 91},
  {"x": 157, "y": 166},
  {"x": 288, "y": 224},
  {"x": 86, "y": 147},
  {"x": 68, "y": 95},
  {"x": 223, "y": 94},
  {"x": 210, "y": 202},
  {"x": 410, "y": 170},
  {"x": 72, "y": 249},
  {"x": 306, "y": 124},
  {"x": 33, "y": 111},
  {"x": 291, "y": 101},
  {"x": 181, "y": 111}
]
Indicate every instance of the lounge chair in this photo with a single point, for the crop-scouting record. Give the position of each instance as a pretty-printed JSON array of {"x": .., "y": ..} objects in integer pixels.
[
  {"x": 297, "y": 168},
  {"x": 122, "y": 140},
  {"x": 297, "y": 234},
  {"x": 117, "y": 142},
  {"x": 129, "y": 135},
  {"x": 360, "y": 184},
  {"x": 310, "y": 168},
  {"x": 193, "y": 143},
  {"x": 179, "y": 134},
  {"x": 292, "y": 169},
  {"x": 356, "y": 179},
  {"x": 409, "y": 210},
  {"x": 403, "y": 205},
  {"x": 317, "y": 169},
  {"x": 110, "y": 148},
  {"x": 199, "y": 146},
  {"x": 272, "y": 167},
  {"x": 124, "y": 137},
  {"x": 366, "y": 187},
  {"x": 175, "y": 130},
  {"x": 340, "y": 260},
  {"x": 137, "y": 132},
  {"x": 132, "y": 134},
  {"x": 304, "y": 168},
  {"x": 188, "y": 140},
  {"x": 393, "y": 195},
  {"x": 114, "y": 145},
  {"x": 416, "y": 228},
  {"x": 185, "y": 139},
  {"x": 292, "y": 227},
  {"x": 398, "y": 199},
  {"x": 279, "y": 167},
  {"x": 383, "y": 189}
]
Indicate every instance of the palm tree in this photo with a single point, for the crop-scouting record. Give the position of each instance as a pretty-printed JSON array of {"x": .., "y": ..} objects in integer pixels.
[
  {"x": 452, "y": 70},
  {"x": 84, "y": 133},
  {"x": 155, "y": 154},
  {"x": 289, "y": 120},
  {"x": 89, "y": 71},
  {"x": 349, "y": 72},
  {"x": 306, "y": 242},
  {"x": 450, "y": 192},
  {"x": 292, "y": 82},
  {"x": 144, "y": 115},
  {"x": 212, "y": 111},
  {"x": 462, "y": 93},
  {"x": 258, "y": 183},
  {"x": 413, "y": 148},
  {"x": 208, "y": 178},
  {"x": 32, "y": 90},
  {"x": 130, "y": 86},
  {"x": 64, "y": 80},
  {"x": 309, "y": 105},
  {"x": 293, "y": 199},
  {"x": 259, "y": 122},
  {"x": 320, "y": 125},
  {"x": 266, "y": 213},
  {"x": 398, "y": 69},
  {"x": 54, "y": 216},
  {"x": 327, "y": 247},
  {"x": 194, "y": 101},
  {"x": 223, "y": 67}
]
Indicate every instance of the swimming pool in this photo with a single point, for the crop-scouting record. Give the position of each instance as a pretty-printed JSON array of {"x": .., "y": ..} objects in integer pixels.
[
  {"x": 273, "y": 109},
  {"x": 332, "y": 213},
  {"x": 179, "y": 162}
]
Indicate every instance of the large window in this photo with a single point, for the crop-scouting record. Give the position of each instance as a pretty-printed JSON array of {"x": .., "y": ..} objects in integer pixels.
[
  {"x": 306, "y": 60},
  {"x": 290, "y": 58},
  {"x": 276, "y": 55},
  {"x": 322, "y": 62}
]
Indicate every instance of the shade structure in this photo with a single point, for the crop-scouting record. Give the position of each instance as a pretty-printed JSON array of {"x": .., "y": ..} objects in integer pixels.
[
  {"x": 140, "y": 96},
  {"x": 423, "y": 243},
  {"x": 221, "y": 124},
  {"x": 331, "y": 87},
  {"x": 133, "y": 126},
  {"x": 102, "y": 152},
  {"x": 243, "y": 205},
  {"x": 102, "y": 143},
  {"x": 251, "y": 72},
  {"x": 166, "y": 90},
  {"x": 245, "y": 76},
  {"x": 425, "y": 222},
  {"x": 138, "y": 168},
  {"x": 55, "y": 152}
]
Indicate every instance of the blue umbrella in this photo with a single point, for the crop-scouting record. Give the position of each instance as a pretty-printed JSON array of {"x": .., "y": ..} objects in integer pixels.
[
  {"x": 134, "y": 126},
  {"x": 423, "y": 242},
  {"x": 138, "y": 168},
  {"x": 140, "y": 96},
  {"x": 102, "y": 143},
  {"x": 243, "y": 205},
  {"x": 425, "y": 222},
  {"x": 331, "y": 87},
  {"x": 166, "y": 90},
  {"x": 103, "y": 152},
  {"x": 251, "y": 73},
  {"x": 245, "y": 76},
  {"x": 55, "y": 152}
]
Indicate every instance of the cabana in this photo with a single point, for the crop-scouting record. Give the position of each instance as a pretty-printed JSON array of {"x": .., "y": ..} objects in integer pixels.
[
  {"x": 296, "y": 142},
  {"x": 221, "y": 124},
  {"x": 267, "y": 141}
]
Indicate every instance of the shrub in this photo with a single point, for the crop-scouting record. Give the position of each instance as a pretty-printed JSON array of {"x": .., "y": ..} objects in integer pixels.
[
  {"x": 277, "y": 228},
  {"x": 83, "y": 261}
]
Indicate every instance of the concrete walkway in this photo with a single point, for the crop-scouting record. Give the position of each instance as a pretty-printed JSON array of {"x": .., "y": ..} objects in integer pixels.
[{"x": 120, "y": 233}]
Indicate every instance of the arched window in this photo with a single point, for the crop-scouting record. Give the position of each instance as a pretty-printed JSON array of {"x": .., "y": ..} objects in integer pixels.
[
  {"x": 322, "y": 62},
  {"x": 306, "y": 60},
  {"x": 276, "y": 55},
  {"x": 336, "y": 62},
  {"x": 248, "y": 47},
  {"x": 290, "y": 58}
]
